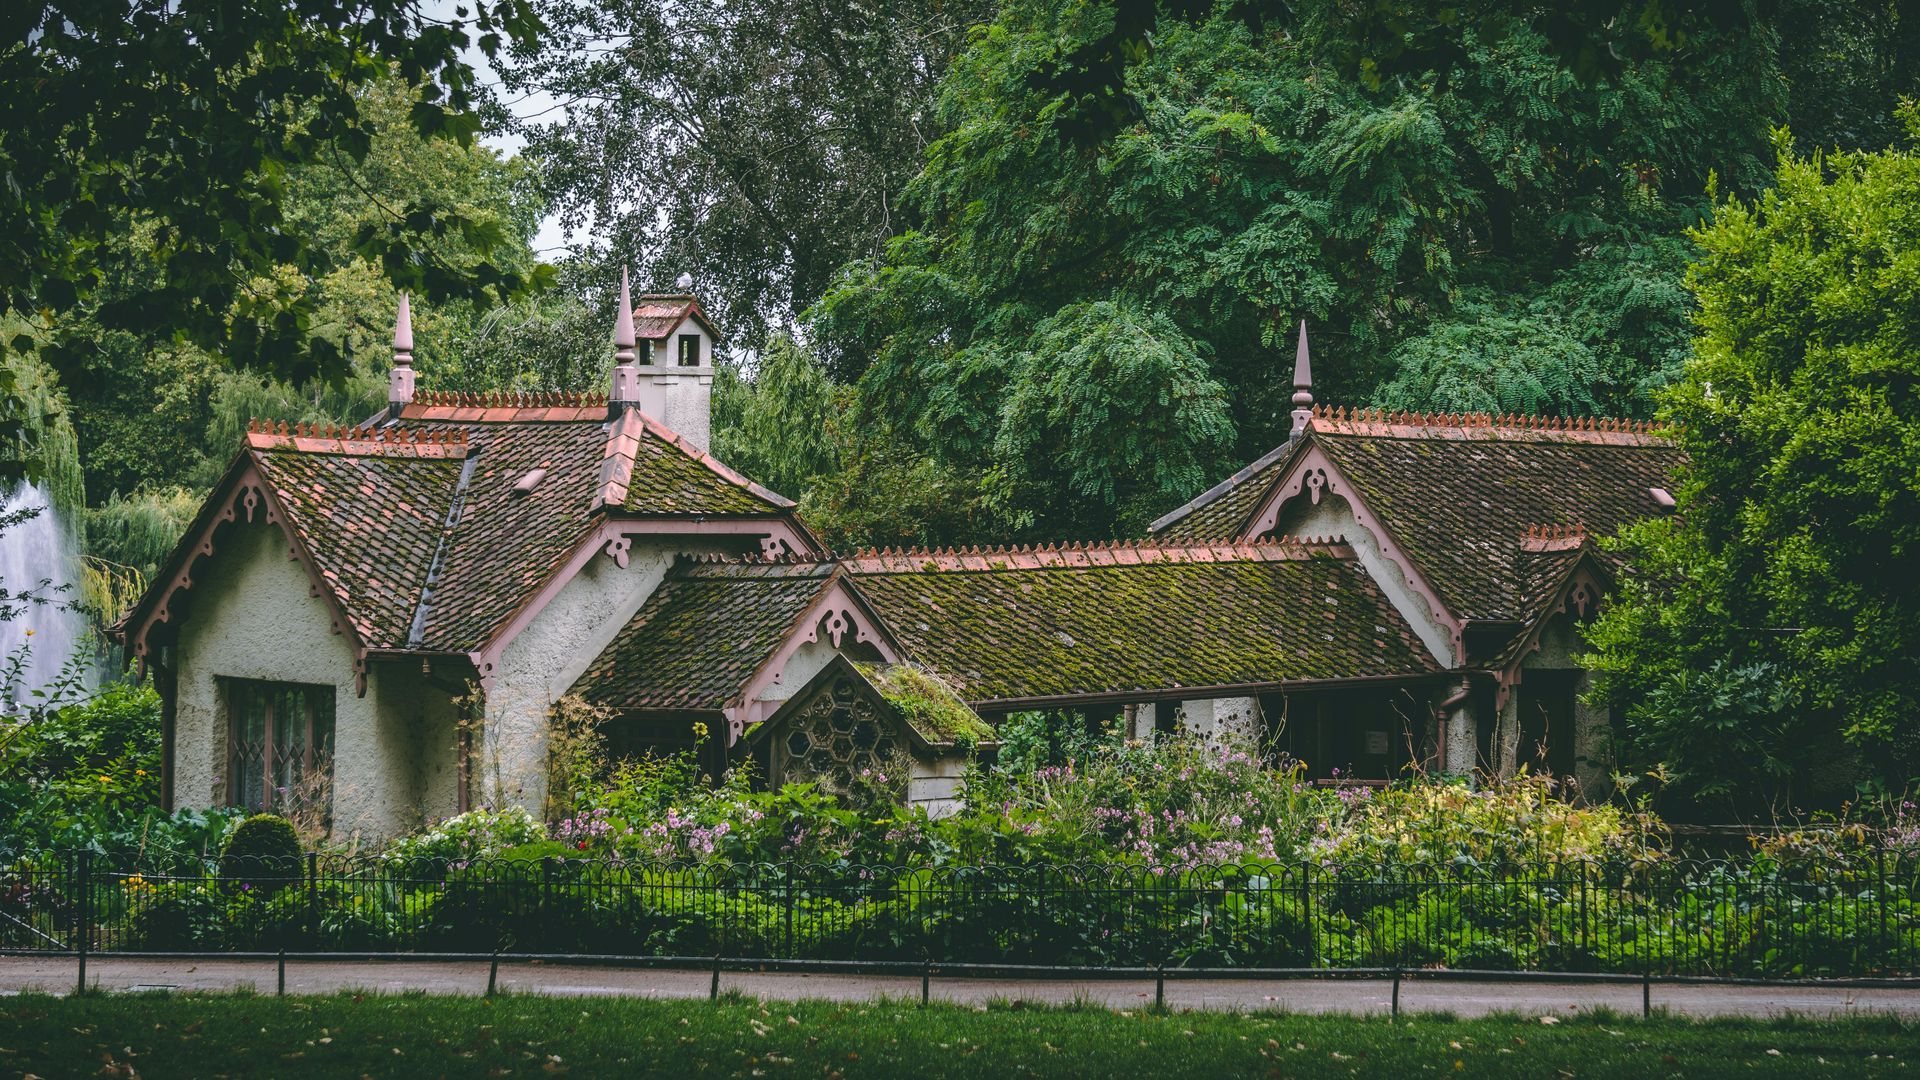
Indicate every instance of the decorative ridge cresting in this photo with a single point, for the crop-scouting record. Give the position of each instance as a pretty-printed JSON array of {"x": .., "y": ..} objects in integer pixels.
[
  {"x": 1340, "y": 420},
  {"x": 510, "y": 399},
  {"x": 1094, "y": 553},
  {"x": 1553, "y": 537},
  {"x": 366, "y": 440}
]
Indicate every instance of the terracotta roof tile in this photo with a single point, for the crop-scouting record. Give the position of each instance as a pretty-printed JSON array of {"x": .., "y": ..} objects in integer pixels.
[{"x": 371, "y": 522}]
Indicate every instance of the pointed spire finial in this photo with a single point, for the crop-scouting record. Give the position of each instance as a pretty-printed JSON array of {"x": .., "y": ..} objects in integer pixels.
[
  {"x": 400, "y": 377},
  {"x": 625, "y": 389},
  {"x": 1302, "y": 387},
  {"x": 623, "y": 336}
]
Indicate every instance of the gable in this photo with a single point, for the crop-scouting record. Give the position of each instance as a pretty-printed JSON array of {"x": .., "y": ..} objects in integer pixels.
[{"x": 1450, "y": 498}]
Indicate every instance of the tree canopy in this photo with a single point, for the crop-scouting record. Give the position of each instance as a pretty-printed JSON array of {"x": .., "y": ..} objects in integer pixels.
[
  {"x": 1763, "y": 648},
  {"x": 1132, "y": 207},
  {"x": 181, "y": 120}
]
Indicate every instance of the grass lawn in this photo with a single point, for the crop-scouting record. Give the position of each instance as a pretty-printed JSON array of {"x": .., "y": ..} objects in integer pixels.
[{"x": 155, "y": 1035}]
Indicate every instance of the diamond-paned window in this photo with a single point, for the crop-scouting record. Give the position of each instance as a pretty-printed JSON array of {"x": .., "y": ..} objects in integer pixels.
[{"x": 280, "y": 746}]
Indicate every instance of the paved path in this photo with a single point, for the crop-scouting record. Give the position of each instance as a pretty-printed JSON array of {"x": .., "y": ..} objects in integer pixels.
[{"x": 1461, "y": 998}]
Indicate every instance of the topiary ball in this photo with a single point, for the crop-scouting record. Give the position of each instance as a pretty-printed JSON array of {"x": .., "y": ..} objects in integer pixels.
[{"x": 263, "y": 852}]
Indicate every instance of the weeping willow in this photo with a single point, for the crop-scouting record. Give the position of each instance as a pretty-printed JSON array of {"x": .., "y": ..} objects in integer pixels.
[{"x": 53, "y": 450}]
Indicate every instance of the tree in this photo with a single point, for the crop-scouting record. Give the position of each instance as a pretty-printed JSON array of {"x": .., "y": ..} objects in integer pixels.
[
  {"x": 1194, "y": 179},
  {"x": 1763, "y": 648},
  {"x": 155, "y": 412},
  {"x": 753, "y": 145},
  {"x": 183, "y": 118}
]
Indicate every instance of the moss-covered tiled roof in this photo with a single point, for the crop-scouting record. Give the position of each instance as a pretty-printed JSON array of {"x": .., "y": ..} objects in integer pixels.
[
  {"x": 1122, "y": 620},
  {"x": 1458, "y": 493},
  {"x": 487, "y": 496},
  {"x": 1222, "y": 511},
  {"x": 1460, "y": 507},
  {"x": 371, "y": 522},
  {"x": 669, "y": 480},
  {"x": 927, "y": 703},
  {"x": 701, "y": 635}
]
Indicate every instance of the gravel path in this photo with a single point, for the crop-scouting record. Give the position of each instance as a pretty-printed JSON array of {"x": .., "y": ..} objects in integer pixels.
[{"x": 1462, "y": 998}]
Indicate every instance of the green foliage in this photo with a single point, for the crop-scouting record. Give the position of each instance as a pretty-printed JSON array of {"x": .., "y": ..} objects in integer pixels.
[
  {"x": 263, "y": 851},
  {"x": 139, "y": 531},
  {"x": 211, "y": 108},
  {"x": 752, "y": 144},
  {"x": 86, "y": 776},
  {"x": 1091, "y": 304},
  {"x": 1775, "y": 614},
  {"x": 155, "y": 412},
  {"x": 783, "y": 427}
]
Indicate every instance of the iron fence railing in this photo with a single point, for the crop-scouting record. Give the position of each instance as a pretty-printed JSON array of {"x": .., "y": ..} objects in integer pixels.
[{"x": 1758, "y": 918}]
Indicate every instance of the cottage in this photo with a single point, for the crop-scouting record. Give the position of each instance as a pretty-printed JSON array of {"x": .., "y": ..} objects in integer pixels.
[{"x": 377, "y": 621}]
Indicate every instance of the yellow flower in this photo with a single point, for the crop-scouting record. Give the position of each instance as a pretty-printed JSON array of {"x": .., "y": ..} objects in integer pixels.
[
  {"x": 106, "y": 779},
  {"x": 139, "y": 772}
]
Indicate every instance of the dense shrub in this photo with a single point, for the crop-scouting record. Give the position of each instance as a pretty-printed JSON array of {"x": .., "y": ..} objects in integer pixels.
[
  {"x": 476, "y": 834},
  {"x": 86, "y": 777},
  {"x": 263, "y": 852}
]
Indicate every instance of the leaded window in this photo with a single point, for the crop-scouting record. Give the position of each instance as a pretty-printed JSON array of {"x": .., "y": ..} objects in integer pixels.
[{"x": 280, "y": 747}]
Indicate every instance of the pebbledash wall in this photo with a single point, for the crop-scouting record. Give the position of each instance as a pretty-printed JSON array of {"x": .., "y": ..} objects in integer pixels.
[{"x": 254, "y": 617}]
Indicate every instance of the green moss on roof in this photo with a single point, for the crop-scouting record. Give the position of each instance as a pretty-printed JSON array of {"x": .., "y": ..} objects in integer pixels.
[
  {"x": 927, "y": 703},
  {"x": 668, "y": 480}
]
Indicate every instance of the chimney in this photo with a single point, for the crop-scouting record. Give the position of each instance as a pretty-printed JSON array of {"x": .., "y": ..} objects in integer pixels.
[
  {"x": 624, "y": 394},
  {"x": 1302, "y": 388},
  {"x": 675, "y": 362},
  {"x": 400, "y": 378}
]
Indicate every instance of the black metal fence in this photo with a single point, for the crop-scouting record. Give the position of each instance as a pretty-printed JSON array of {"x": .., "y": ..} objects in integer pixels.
[{"x": 1755, "y": 918}]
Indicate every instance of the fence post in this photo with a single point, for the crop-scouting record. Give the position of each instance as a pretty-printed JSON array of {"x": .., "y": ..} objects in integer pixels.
[
  {"x": 1306, "y": 910},
  {"x": 1396, "y": 992},
  {"x": 313, "y": 901},
  {"x": 790, "y": 953},
  {"x": 1880, "y": 896},
  {"x": 84, "y": 928}
]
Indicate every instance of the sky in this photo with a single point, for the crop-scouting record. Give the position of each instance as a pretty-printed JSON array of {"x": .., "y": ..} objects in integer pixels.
[{"x": 538, "y": 106}]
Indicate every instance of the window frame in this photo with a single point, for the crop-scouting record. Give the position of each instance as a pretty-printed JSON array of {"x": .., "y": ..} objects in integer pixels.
[
  {"x": 315, "y": 726},
  {"x": 685, "y": 341}
]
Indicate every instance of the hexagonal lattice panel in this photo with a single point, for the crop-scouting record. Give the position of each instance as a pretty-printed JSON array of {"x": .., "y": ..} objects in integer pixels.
[{"x": 835, "y": 737}]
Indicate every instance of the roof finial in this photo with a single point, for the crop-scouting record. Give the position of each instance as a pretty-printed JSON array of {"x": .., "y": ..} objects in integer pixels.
[
  {"x": 626, "y": 372},
  {"x": 1302, "y": 387},
  {"x": 400, "y": 377}
]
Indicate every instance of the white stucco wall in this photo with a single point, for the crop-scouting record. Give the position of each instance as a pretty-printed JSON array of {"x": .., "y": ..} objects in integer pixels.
[
  {"x": 541, "y": 663},
  {"x": 1224, "y": 721},
  {"x": 800, "y": 668},
  {"x": 251, "y": 618},
  {"x": 935, "y": 784}
]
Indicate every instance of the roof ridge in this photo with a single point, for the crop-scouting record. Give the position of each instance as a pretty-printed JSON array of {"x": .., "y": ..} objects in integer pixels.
[
  {"x": 1087, "y": 553},
  {"x": 510, "y": 399},
  {"x": 366, "y": 440},
  {"x": 1340, "y": 420}
]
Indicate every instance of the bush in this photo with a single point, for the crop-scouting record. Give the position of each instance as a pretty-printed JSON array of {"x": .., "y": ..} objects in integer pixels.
[
  {"x": 263, "y": 853},
  {"x": 476, "y": 834}
]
